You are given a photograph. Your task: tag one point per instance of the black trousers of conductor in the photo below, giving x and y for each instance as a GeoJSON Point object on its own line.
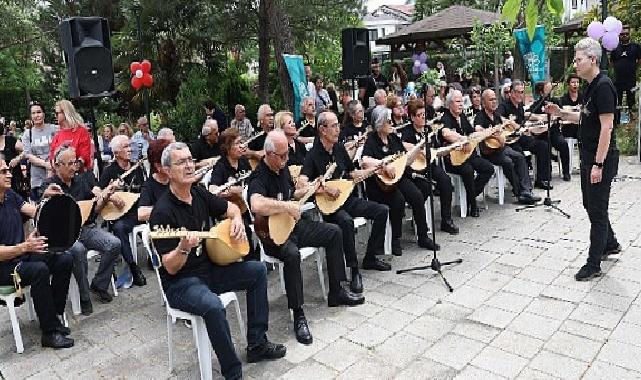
{"type": "Point", "coordinates": [406, 191]}
{"type": "Point", "coordinates": [310, 233]}
{"type": "Point", "coordinates": [473, 185]}
{"type": "Point", "coordinates": [559, 143]}
{"type": "Point", "coordinates": [514, 168]}
{"type": "Point", "coordinates": [540, 149]}
{"type": "Point", "coordinates": [344, 218]}
{"type": "Point", "coordinates": [596, 199]}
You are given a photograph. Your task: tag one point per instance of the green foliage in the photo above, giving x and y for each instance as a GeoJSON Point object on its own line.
{"type": "Point", "coordinates": [530, 12]}
{"type": "Point", "coordinates": [430, 76]}
{"type": "Point", "coordinates": [187, 117]}
{"type": "Point", "coordinates": [511, 10]}
{"type": "Point", "coordinates": [627, 138]}
{"type": "Point", "coordinates": [531, 17]}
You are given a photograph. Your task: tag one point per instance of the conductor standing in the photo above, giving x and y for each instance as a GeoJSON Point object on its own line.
{"type": "Point", "coordinates": [599, 153]}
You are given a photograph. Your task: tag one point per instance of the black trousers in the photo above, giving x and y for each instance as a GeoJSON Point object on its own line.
{"type": "Point", "coordinates": [596, 199]}
{"type": "Point", "coordinates": [473, 185]}
{"type": "Point", "coordinates": [48, 275]}
{"type": "Point", "coordinates": [444, 186]}
{"type": "Point", "coordinates": [344, 218]}
{"type": "Point", "coordinates": [514, 167]}
{"type": "Point", "coordinates": [540, 149]}
{"type": "Point", "coordinates": [559, 143]}
{"type": "Point", "coordinates": [254, 254]}
{"type": "Point", "coordinates": [310, 233]}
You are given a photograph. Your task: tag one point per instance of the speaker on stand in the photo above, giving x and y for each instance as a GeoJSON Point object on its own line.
{"type": "Point", "coordinates": [86, 42]}
{"type": "Point", "coordinates": [356, 54]}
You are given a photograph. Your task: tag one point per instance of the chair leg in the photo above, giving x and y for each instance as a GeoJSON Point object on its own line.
{"type": "Point", "coordinates": [133, 243]}
{"type": "Point", "coordinates": [113, 286]}
{"type": "Point", "coordinates": [388, 237]}
{"type": "Point", "coordinates": [74, 296]}
{"type": "Point", "coordinates": [241, 323]}
{"type": "Point", "coordinates": [30, 310]}
{"type": "Point", "coordinates": [321, 277]}
{"type": "Point", "coordinates": [204, 348]}
{"type": "Point", "coordinates": [15, 325]}
{"type": "Point", "coordinates": [281, 275]}
{"type": "Point", "coordinates": [462, 197]}
{"type": "Point", "coordinates": [170, 342]}
{"type": "Point", "coordinates": [501, 184]}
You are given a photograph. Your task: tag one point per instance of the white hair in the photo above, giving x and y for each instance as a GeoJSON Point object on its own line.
{"type": "Point", "coordinates": [590, 47]}
{"type": "Point", "coordinates": [165, 158]}
{"type": "Point", "coordinates": [165, 133]}
{"type": "Point", "coordinates": [380, 94]}
{"type": "Point", "coordinates": [450, 97]}
{"type": "Point", "coordinates": [270, 145]}
{"type": "Point", "coordinates": [208, 126]}
{"type": "Point", "coordinates": [262, 110]}
{"type": "Point", "coordinates": [119, 142]}
{"type": "Point", "coordinates": [305, 100]}
{"type": "Point", "coordinates": [380, 114]}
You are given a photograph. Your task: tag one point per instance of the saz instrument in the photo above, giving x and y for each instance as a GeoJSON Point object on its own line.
{"type": "Point", "coordinates": [420, 162]}
{"type": "Point", "coordinates": [234, 198]}
{"type": "Point", "coordinates": [294, 171]}
{"type": "Point", "coordinates": [221, 248]}
{"type": "Point", "coordinates": [530, 127]}
{"type": "Point", "coordinates": [352, 146]}
{"type": "Point", "coordinates": [388, 184]}
{"type": "Point", "coordinates": [275, 229]}
{"type": "Point", "coordinates": [466, 146]}
{"type": "Point", "coordinates": [205, 166]}
{"type": "Point", "coordinates": [253, 162]}
{"type": "Point", "coordinates": [493, 142]}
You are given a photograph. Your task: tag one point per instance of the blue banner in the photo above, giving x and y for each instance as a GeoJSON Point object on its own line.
{"type": "Point", "coordinates": [296, 71]}
{"type": "Point", "coordinates": [533, 52]}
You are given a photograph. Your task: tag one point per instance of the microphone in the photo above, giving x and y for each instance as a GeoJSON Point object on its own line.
{"type": "Point", "coordinates": [416, 175]}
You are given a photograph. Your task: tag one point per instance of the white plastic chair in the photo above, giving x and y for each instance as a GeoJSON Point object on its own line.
{"type": "Point", "coordinates": [201, 338]}
{"type": "Point", "coordinates": [9, 299]}
{"type": "Point", "coordinates": [133, 238]}
{"type": "Point", "coordinates": [74, 291]}
{"type": "Point", "coordinates": [571, 145]}
{"type": "Point", "coordinates": [499, 179]}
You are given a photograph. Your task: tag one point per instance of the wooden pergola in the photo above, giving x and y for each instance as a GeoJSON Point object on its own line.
{"type": "Point", "coordinates": [570, 29]}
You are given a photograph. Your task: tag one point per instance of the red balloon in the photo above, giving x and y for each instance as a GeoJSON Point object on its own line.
{"type": "Point", "coordinates": [134, 66]}
{"type": "Point", "coordinates": [146, 66]}
{"type": "Point", "coordinates": [136, 82]}
{"type": "Point", "coordinates": [147, 80]}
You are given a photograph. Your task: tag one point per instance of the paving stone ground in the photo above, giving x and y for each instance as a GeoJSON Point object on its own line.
{"type": "Point", "coordinates": [516, 311]}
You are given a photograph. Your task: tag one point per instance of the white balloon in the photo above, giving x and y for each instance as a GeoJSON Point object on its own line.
{"type": "Point", "coordinates": [138, 73]}
{"type": "Point", "coordinates": [610, 24]}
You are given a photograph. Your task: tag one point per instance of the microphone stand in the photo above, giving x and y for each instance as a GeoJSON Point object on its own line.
{"type": "Point", "coordinates": [435, 265]}
{"type": "Point", "coordinates": [547, 201]}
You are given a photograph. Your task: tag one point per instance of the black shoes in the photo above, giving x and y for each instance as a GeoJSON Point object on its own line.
{"type": "Point", "coordinates": [426, 242]}
{"type": "Point", "coordinates": [587, 273]}
{"type": "Point", "coordinates": [303, 335]}
{"type": "Point", "coordinates": [567, 177]}
{"type": "Point", "coordinates": [86, 308]}
{"type": "Point", "coordinates": [138, 278]}
{"type": "Point", "coordinates": [449, 227]}
{"type": "Point", "coordinates": [63, 330]}
{"type": "Point", "coordinates": [103, 295]}
{"type": "Point", "coordinates": [613, 250]}
{"type": "Point", "coordinates": [265, 351]}
{"type": "Point", "coordinates": [475, 212]}
{"type": "Point", "coordinates": [356, 285]}
{"type": "Point", "coordinates": [527, 199]}
{"type": "Point", "coordinates": [376, 264]}
{"type": "Point", "coordinates": [543, 185]}
{"type": "Point", "coordinates": [344, 297]}
{"type": "Point", "coordinates": [56, 340]}
{"type": "Point", "coordinates": [397, 250]}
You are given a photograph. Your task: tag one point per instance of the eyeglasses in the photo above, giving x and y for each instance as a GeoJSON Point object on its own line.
{"type": "Point", "coordinates": [69, 163]}
{"type": "Point", "coordinates": [518, 91]}
{"type": "Point", "coordinates": [420, 114]}
{"type": "Point", "coordinates": [185, 162]}
{"type": "Point", "coordinates": [333, 125]}
{"type": "Point", "coordinates": [282, 156]}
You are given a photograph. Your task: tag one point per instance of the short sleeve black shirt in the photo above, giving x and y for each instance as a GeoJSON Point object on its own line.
{"type": "Point", "coordinates": [483, 119]}
{"type": "Point", "coordinates": [566, 100]}
{"type": "Point", "coordinates": [624, 58]}
{"type": "Point", "coordinates": [600, 98]}
{"type": "Point", "coordinates": [349, 131]}
{"type": "Point", "coordinates": [462, 125]}
{"type": "Point", "coordinates": [171, 212]}
{"type": "Point", "coordinates": [258, 143]}
{"type": "Point", "coordinates": [151, 191]}
{"type": "Point", "coordinates": [318, 159]}
{"type": "Point", "coordinates": [309, 130]}
{"type": "Point", "coordinates": [79, 190]}
{"type": "Point", "coordinates": [507, 109]}
{"type": "Point", "coordinates": [223, 170]}
{"type": "Point", "coordinates": [297, 155]}
{"type": "Point", "coordinates": [201, 150]}
{"type": "Point", "coordinates": [265, 182]}
{"type": "Point", "coordinates": [370, 86]}
{"type": "Point", "coordinates": [11, 228]}
{"type": "Point", "coordinates": [132, 183]}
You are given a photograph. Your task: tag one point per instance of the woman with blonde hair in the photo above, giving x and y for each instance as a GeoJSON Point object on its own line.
{"type": "Point", "coordinates": [72, 133]}
{"type": "Point", "coordinates": [285, 120]}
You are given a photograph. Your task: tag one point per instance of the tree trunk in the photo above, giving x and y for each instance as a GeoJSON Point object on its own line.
{"type": "Point", "coordinates": [263, 52]}
{"type": "Point", "coordinates": [281, 36]}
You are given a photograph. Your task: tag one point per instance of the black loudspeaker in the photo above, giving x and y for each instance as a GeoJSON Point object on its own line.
{"type": "Point", "coordinates": [355, 42]}
{"type": "Point", "coordinates": [87, 46]}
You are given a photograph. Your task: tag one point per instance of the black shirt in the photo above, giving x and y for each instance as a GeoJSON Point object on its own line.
{"type": "Point", "coordinates": [375, 148]}
{"type": "Point", "coordinates": [350, 132]}
{"type": "Point", "coordinates": [297, 154]}
{"type": "Point", "coordinates": [201, 150]}
{"type": "Point", "coordinates": [566, 100]}
{"type": "Point", "coordinates": [265, 182]}
{"type": "Point", "coordinates": [150, 192]}
{"type": "Point", "coordinates": [462, 126]}
{"type": "Point", "coordinates": [132, 183]}
{"type": "Point", "coordinates": [624, 58]}
{"type": "Point", "coordinates": [370, 86]}
{"type": "Point", "coordinates": [79, 190]}
{"type": "Point", "coordinates": [600, 98]}
{"type": "Point", "coordinates": [483, 119]}
{"type": "Point", "coordinates": [309, 129]}
{"type": "Point", "coordinates": [318, 159]}
{"type": "Point", "coordinates": [223, 170]}
{"type": "Point", "coordinates": [430, 112]}
{"type": "Point", "coordinates": [507, 109]}
{"type": "Point", "coordinates": [258, 143]}
{"type": "Point", "coordinates": [174, 213]}
{"type": "Point", "coordinates": [11, 228]}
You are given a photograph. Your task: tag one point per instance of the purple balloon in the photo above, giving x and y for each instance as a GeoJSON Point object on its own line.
{"type": "Point", "coordinates": [422, 57]}
{"type": "Point", "coordinates": [423, 67]}
{"type": "Point", "coordinates": [610, 24]}
{"type": "Point", "coordinates": [619, 27]}
{"type": "Point", "coordinates": [610, 41]}
{"type": "Point", "coordinates": [414, 57]}
{"type": "Point", "coordinates": [417, 63]}
{"type": "Point", "coordinates": [416, 70]}
{"type": "Point", "coordinates": [596, 30]}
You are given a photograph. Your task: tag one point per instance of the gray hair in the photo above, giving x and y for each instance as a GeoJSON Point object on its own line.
{"type": "Point", "coordinates": [304, 100]}
{"type": "Point", "coordinates": [380, 114]}
{"type": "Point", "coordinates": [517, 82]}
{"type": "Point", "coordinates": [262, 110]}
{"type": "Point", "coordinates": [165, 159]}
{"type": "Point", "coordinates": [165, 132]}
{"type": "Point", "coordinates": [380, 93]}
{"type": "Point", "coordinates": [323, 117]}
{"type": "Point", "coordinates": [352, 105]}
{"type": "Point", "coordinates": [61, 149]}
{"type": "Point", "coordinates": [590, 47]}
{"type": "Point", "coordinates": [270, 145]}
{"type": "Point", "coordinates": [208, 126]}
{"type": "Point", "coordinates": [119, 142]}
{"type": "Point", "coordinates": [450, 97]}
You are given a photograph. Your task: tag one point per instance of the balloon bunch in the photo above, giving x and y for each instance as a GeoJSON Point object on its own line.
{"type": "Point", "coordinates": [141, 72]}
{"type": "Point", "coordinates": [420, 63]}
{"type": "Point", "coordinates": [609, 30]}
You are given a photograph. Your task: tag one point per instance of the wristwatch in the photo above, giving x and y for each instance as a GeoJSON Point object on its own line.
{"type": "Point", "coordinates": [598, 164]}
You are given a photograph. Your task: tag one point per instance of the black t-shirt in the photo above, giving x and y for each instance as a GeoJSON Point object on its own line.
{"type": "Point", "coordinates": [201, 150]}
{"type": "Point", "coordinates": [79, 190]}
{"type": "Point", "coordinates": [151, 191]}
{"type": "Point", "coordinates": [600, 98]}
{"type": "Point", "coordinates": [350, 132]}
{"type": "Point", "coordinates": [11, 228]}
{"type": "Point", "coordinates": [258, 143]}
{"type": "Point", "coordinates": [462, 125]}
{"type": "Point", "coordinates": [624, 58]}
{"type": "Point", "coordinates": [507, 109]}
{"type": "Point", "coordinates": [131, 183]}
{"type": "Point", "coordinates": [375, 148]}
{"type": "Point", "coordinates": [483, 119]}
{"type": "Point", "coordinates": [171, 212]}
{"type": "Point", "coordinates": [9, 151]}
{"type": "Point", "coordinates": [566, 100]}
{"type": "Point", "coordinates": [297, 154]}
{"type": "Point", "coordinates": [430, 112]}
{"type": "Point", "coordinates": [370, 86]}
{"type": "Point", "coordinates": [318, 159]}
{"type": "Point", "coordinates": [309, 129]}
{"type": "Point", "coordinates": [265, 182]}
{"type": "Point", "coordinates": [223, 170]}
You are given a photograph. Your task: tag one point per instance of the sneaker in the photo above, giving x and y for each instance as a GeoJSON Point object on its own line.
{"type": "Point", "coordinates": [587, 273]}
{"type": "Point", "coordinates": [614, 250]}
{"type": "Point", "coordinates": [265, 351]}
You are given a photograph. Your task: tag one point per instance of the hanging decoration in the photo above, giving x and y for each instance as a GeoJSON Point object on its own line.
{"type": "Point", "coordinates": [420, 63]}
{"type": "Point", "coordinates": [141, 74]}
{"type": "Point", "coordinates": [608, 32]}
